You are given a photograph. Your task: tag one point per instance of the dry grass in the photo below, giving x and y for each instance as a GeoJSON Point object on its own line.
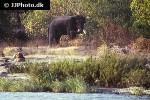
{"type": "Point", "coordinates": [37, 43]}
{"type": "Point", "coordinates": [113, 33]}
{"type": "Point", "coordinates": [141, 44]}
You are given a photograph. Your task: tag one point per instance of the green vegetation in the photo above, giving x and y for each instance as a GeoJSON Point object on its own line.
{"type": "Point", "coordinates": [141, 13]}
{"type": "Point", "coordinates": [111, 70]}
{"type": "Point", "coordinates": [70, 84]}
{"type": "Point", "coordinates": [13, 85]}
{"type": "Point", "coordinates": [132, 15]}
{"type": "Point", "coordinates": [107, 21]}
{"type": "Point", "coordinates": [9, 52]}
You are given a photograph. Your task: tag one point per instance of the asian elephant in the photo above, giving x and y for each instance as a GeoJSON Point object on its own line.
{"type": "Point", "coordinates": [66, 25]}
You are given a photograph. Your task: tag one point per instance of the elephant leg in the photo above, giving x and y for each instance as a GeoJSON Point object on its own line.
{"type": "Point", "coordinates": [51, 35]}
{"type": "Point", "coordinates": [57, 38]}
{"type": "Point", "coordinates": [51, 41]}
{"type": "Point", "coordinates": [72, 35]}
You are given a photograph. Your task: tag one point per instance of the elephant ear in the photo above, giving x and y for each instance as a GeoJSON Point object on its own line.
{"type": "Point", "coordinates": [80, 17]}
{"type": "Point", "coordinates": [74, 19]}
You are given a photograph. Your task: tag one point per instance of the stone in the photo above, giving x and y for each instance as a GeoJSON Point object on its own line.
{"type": "Point", "coordinates": [18, 57]}
{"type": "Point", "coordinates": [3, 74]}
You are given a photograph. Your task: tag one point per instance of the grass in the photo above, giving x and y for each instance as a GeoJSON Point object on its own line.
{"type": "Point", "coordinates": [70, 84]}
{"type": "Point", "coordinates": [71, 75]}
{"type": "Point", "coordinates": [76, 85]}
{"type": "Point", "coordinates": [10, 85]}
{"type": "Point", "coordinates": [9, 51]}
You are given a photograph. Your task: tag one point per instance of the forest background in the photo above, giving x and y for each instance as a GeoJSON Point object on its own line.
{"type": "Point", "coordinates": [121, 22]}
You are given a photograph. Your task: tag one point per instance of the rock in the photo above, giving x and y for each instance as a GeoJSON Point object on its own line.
{"type": "Point", "coordinates": [3, 74]}
{"type": "Point", "coordinates": [6, 64]}
{"type": "Point", "coordinates": [133, 91]}
{"type": "Point", "coordinates": [18, 57]}
{"type": "Point", "coordinates": [102, 90]}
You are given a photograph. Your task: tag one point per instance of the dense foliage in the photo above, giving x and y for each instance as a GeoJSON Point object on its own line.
{"type": "Point", "coordinates": [132, 14]}
{"type": "Point", "coordinates": [141, 12]}
{"type": "Point", "coordinates": [77, 76]}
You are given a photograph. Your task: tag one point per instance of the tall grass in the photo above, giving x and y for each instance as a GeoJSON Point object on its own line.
{"type": "Point", "coordinates": [70, 84]}
{"type": "Point", "coordinates": [75, 84]}
{"type": "Point", "coordinates": [75, 76]}
{"type": "Point", "coordinates": [17, 85]}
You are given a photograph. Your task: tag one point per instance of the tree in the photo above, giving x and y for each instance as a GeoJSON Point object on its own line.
{"type": "Point", "coordinates": [141, 12]}
{"type": "Point", "coordinates": [5, 25]}
{"type": "Point", "coordinates": [10, 22]}
{"type": "Point", "coordinates": [36, 23]}
{"type": "Point", "coordinates": [111, 11]}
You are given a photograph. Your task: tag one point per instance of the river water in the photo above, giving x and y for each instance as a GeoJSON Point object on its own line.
{"type": "Point", "coordinates": [67, 96]}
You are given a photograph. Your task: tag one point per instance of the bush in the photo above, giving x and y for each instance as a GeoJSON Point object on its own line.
{"type": "Point", "coordinates": [58, 72]}
{"type": "Point", "coordinates": [57, 86]}
{"type": "Point", "coordinates": [111, 70]}
{"type": "Point", "coordinates": [70, 84]}
{"type": "Point", "coordinates": [17, 69]}
{"type": "Point", "coordinates": [8, 51]}
{"type": "Point", "coordinates": [75, 85]}
{"type": "Point", "coordinates": [139, 77]}
{"type": "Point", "coordinates": [141, 29]}
{"type": "Point", "coordinates": [17, 85]}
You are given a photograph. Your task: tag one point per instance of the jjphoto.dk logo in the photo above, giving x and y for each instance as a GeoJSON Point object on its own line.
{"type": "Point", "coordinates": [6, 5]}
{"type": "Point", "coordinates": [25, 5]}
{"type": "Point", "coordinates": [15, 5]}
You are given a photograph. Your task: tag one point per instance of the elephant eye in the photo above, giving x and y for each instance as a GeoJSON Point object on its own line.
{"type": "Point", "coordinates": [79, 21]}
{"type": "Point", "coordinates": [82, 21]}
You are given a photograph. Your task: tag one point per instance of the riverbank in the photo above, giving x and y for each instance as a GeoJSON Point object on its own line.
{"type": "Point", "coordinates": [63, 70]}
{"type": "Point", "coordinates": [130, 90]}
{"type": "Point", "coordinates": [26, 85]}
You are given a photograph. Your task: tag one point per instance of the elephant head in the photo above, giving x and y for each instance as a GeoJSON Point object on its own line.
{"type": "Point", "coordinates": [80, 21]}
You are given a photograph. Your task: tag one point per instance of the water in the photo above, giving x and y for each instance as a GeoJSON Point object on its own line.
{"type": "Point", "coordinates": [66, 96]}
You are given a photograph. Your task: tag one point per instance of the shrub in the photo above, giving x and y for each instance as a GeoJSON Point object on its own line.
{"type": "Point", "coordinates": [17, 69]}
{"type": "Point", "coordinates": [111, 70]}
{"type": "Point", "coordinates": [70, 84]}
{"type": "Point", "coordinates": [75, 85]}
{"type": "Point", "coordinates": [18, 85]}
{"type": "Point", "coordinates": [139, 77]}
{"type": "Point", "coordinates": [8, 51]}
{"type": "Point", "coordinates": [57, 86]}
